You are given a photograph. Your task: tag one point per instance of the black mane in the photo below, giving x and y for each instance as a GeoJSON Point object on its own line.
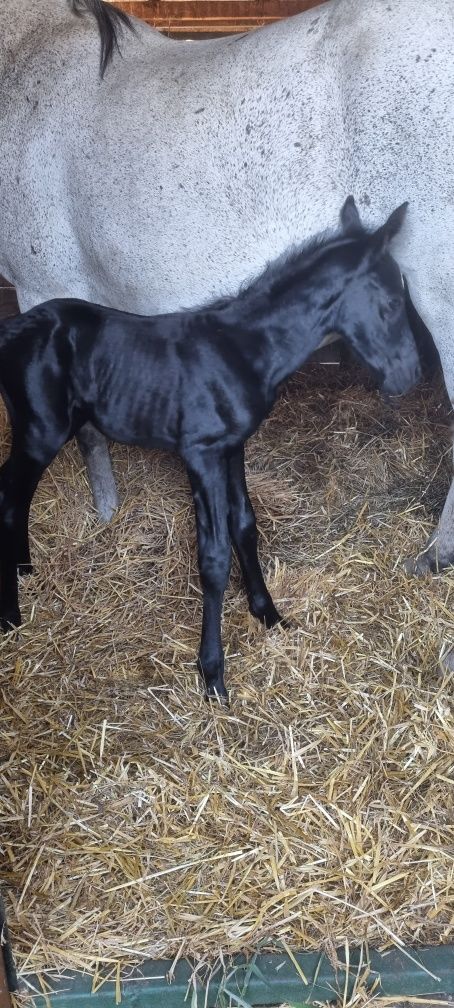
{"type": "Point", "coordinates": [111, 21]}
{"type": "Point", "coordinates": [280, 269]}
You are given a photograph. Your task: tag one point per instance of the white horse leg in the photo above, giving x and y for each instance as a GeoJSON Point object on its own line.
{"type": "Point", "coordinates": [93, 445]}
{"type": "Point", "coordinates": [435, 304]}
{"type": "Point", "coordinates": [439, 550]}
{"type": "Point", "coordinates": [95, 453]}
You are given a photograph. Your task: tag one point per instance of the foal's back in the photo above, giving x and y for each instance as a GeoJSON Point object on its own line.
{"type": "Point", "coordinates": [169, 381]}
{"type": "Point", "coordinates": [99, 364]}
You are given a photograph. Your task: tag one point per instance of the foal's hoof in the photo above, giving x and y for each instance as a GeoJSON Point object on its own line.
{"type": "Point", "coordinates": [10, 619]}
{"type": "Point", "coordinates": [286, 624]}
{"type": "Point", "coordinates": [270, 617]}
{"type": "Point", "coordinates": [213, 678]}
{"type": "Point", "coordinates": [24, 569]}
{"type": "Point", "coordinates": [214, 691]}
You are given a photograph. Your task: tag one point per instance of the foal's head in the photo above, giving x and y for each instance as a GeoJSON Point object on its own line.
{"type": "Point", "coordinates": [372, 314]}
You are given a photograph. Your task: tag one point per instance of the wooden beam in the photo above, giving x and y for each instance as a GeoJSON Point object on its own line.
{"type": "Point", "coordinates": [212, 16]}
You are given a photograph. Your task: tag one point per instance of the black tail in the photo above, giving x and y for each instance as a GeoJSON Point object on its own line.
{"type": "Point", "coordinates": [110, 20]}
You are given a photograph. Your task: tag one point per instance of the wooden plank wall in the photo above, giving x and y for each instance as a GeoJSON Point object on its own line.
{"type": "Point", "coordinates": [8, 302]}
{"type": "Point", "coordinates": [191, 17]}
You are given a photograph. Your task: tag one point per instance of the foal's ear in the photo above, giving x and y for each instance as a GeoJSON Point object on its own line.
{"type": "Point", "coordinates": [385, 234]}
{"type": "Point", "coordinates": [349, 217]}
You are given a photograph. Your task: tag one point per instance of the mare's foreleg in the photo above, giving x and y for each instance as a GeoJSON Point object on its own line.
{"type": "Point", "coordinates": [243, 531]}
{"type": "Point", "coordinates": [208, 478]}
{"type": "Point", "coordinates": [438, 553]}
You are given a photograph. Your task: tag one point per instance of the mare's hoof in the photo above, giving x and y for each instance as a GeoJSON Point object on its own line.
{"type": "Point", "coordinates": [10, 619]}
{"type": "Point", "coordinates": [24, 569]}
{"type": "Point", "coordinates": [416, 566]}
{"type": "Point", "coordinates": [429, 562]}
{"type": "Point", "coordinates": [107, 505]}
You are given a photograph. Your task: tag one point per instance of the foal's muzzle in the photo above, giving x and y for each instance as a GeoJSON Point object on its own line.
{"type": "Point", "coordinates": [400, 379]}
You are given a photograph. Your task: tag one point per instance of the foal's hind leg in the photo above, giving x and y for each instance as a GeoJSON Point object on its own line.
{"type": "Point", "coordinates": [22, 543]}
{"type": "Point", "coordinates": [9, 602]}
{"type": "Point", "coordinates": [208, 478]}
{"type": "Point", "coordinates": [243, 531]}
{"type": "Point", "coordinates": [19, 478]}
{"type": "Point", "coordinates": [92, 444]}
{"type": "Point", "coordinates": [95, 453]}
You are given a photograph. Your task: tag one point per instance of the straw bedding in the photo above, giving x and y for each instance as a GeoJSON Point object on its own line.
{"type": "Point", "coordinates": [137, 820]}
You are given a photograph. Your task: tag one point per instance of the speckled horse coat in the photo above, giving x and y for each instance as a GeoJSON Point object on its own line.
{"type": "Point", "coordinates": [189, 165]}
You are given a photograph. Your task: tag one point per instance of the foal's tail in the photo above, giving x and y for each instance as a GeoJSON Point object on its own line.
{"type": "Point", "coordinates": [111, 21]}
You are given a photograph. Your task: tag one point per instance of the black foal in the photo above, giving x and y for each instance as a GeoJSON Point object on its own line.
{"type": "Point", "coordinates": [198, 383]}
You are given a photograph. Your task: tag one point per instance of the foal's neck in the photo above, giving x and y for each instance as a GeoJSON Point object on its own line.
{"type": "Point", "coordinates": [282, 324]}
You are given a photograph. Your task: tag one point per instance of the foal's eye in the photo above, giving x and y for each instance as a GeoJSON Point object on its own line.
{"type": "Point", "coordinates": [393, 306]}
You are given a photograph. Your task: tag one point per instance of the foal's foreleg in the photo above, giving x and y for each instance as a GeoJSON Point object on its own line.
{"type": "Point", "coordinates": [208, 478]}
{"type": "Point", "coordinates": [243, 530]}
{"type": "Point", "coordinates": [95, 454]}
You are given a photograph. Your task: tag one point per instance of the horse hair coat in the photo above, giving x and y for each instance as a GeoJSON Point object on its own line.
{"type": "Point", "coordinates": [189, 166]}
{"type": "Point", "coordinates": [198, 383]}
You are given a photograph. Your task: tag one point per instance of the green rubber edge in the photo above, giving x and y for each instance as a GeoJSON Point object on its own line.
{"type": "Point", "coordinates": [8, 960]}
{"type": "Point", "coordinates": [262, 980]}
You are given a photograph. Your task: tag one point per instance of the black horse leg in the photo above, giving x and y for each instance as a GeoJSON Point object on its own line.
{"type": "Point", "coordinates": [23, 548]}
{"type": "Point", "coordinates": [19, 478]}
{"type": "Point", "coordinates": [243, 531]}
{"type": "Point", "coordinates": [208, 478]}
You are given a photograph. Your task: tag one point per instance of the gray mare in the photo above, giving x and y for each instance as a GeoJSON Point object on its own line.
{"type": "Point", "coordinates": [190, 165]}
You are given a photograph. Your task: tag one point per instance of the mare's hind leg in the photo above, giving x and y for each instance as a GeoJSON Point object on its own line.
{"type": "Point", "coordinates": [95, 454]}
{"type": "Point", "coordinates": [243, 531]}
{"type": "Point", "coordinates": [19, 478]}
